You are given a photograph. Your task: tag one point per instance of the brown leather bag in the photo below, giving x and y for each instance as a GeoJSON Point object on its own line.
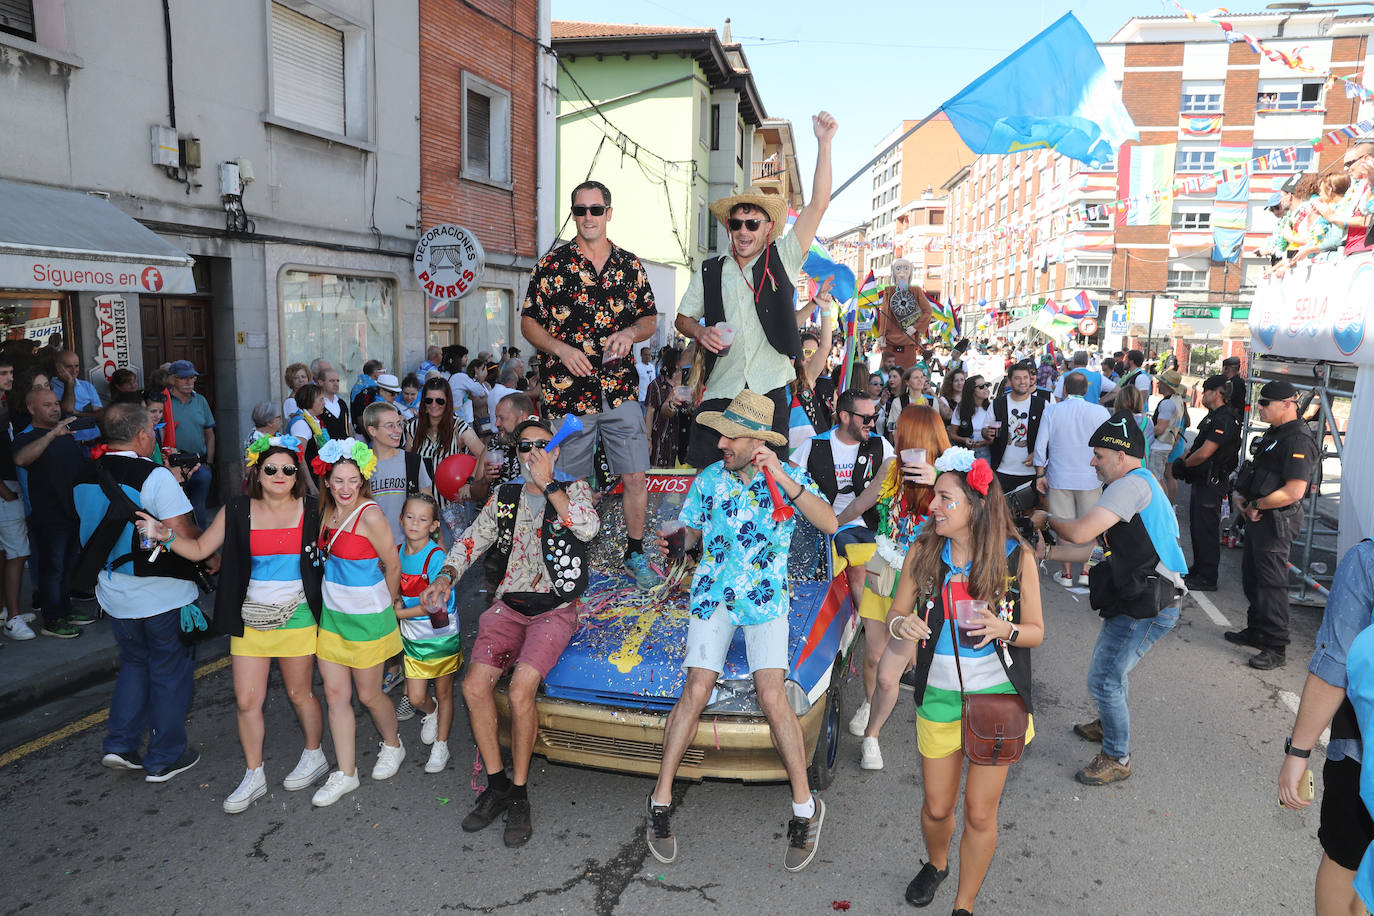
{"type": "Point", "coordinates": [993, 725]}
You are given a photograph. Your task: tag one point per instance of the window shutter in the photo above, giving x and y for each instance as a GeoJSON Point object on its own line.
{"type": "Point", "coordinates": [16, 17]}
{"type": "Point", "coordinates": [477, 143]}
{"type": "Point", "coordinates": [307, 70]}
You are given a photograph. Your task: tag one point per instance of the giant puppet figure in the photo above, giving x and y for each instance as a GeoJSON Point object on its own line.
{"type": "Point", "coordinates": [905, 320]}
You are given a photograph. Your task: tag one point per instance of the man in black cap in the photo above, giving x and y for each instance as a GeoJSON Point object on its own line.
{"type": "Point", "coordinates": [1137, 588]}
{"type": "Point", "coordinates": [1269, 492]}
{"type": "Point", "coordinates": [1207, 467]}
{"type": "Point", "coordinates": [1230, 370]}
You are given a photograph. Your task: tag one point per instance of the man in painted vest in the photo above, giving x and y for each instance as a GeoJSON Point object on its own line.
{"type": "Point", "coordinates": [1137, 589]}
{"type": "Point", "coordinates": [751, 291]}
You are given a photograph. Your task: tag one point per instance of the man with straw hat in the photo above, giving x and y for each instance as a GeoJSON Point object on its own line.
{"type": "Point", "coordinates": [749, 332]}
{"type": "Point", "coordinates": [741, 581]}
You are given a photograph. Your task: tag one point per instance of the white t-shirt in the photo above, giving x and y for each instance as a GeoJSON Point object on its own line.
{"type": "Point", "coordinates": [647, 373]}
{"type": "Point", "coordinates": [1018, 432]}
{"type": "Point", "coordinates": [498, 392]}
{"type": "Point", "coordinates": [1168, 410]}
{"type": "Point", "coordinates": [981, 416]}
{"type": "Point", "coordinates": [844, 457]}
{"type": "Point", "coordinates": [465, 389]}
{"type": "Point", "coordinates": [130, 597]}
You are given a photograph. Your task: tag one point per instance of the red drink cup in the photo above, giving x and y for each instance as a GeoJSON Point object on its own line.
{"type": "Point", "coordinates": [675, 533]}
{"type": "Point", "coordinates": [438, 615]}
{"type": "Point", "coordinates": [967, 618]}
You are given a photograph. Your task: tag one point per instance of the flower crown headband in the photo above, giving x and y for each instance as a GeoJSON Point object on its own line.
{"type": "Point", "coordinates": [350, 449]}
{"type": "Point", "coordinates": [976, 471]}
{"type": "Point", "coordinates": [261, 444]}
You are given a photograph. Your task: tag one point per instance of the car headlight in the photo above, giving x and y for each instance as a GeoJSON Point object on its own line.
{"type": "Point", "coordinates": [734, 698]}
{"type": "Point", "coordinates": [796, 697]}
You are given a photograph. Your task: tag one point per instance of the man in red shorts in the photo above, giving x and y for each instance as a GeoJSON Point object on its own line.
{"type": "Point", "coordinates": [533, 617]}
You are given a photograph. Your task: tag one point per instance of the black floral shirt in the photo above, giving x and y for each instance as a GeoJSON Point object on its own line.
{"type": "Point", "coordinates": [581, 308]}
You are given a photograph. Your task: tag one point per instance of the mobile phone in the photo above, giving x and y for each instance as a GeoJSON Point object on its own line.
{"type": "Point", "coordinates": [81, 423]}
{"type": "Point", "coordinates": [1307, 789]}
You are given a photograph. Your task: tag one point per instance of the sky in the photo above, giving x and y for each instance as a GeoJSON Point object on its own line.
{"type": "Point", "coordinates": [892, 60]}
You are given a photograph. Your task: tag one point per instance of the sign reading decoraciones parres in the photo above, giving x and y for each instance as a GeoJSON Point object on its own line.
{"type": "Point", "coordinates": [449, 261]}
{"type": "Point", "coordinates": [1316, 311]}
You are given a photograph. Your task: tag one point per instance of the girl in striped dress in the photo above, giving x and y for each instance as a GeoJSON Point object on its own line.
{"type": "Point", "coordinates": [431, 652]}
{"type": "Point", "coordinates": [358, 633]}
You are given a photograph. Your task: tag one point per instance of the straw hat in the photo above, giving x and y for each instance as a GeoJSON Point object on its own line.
{"type": "Point", "coordinates": [749, 416]}
{"type": "Point", "coordinates": [772, 204]}
{"type": "Point", "coordinates": [1171, 378]}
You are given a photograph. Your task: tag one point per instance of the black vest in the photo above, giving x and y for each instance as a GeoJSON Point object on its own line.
{"type": "Point", "coordinates": [1223, 461]}
{"type": "Point", "coordinates": [1130, 571]}
{"type": "Point", "coordinates": [236, 567]}
{"type": "Point", "coordinates": [337, 427]}
{"type": "Point", "coordinates": [774, 302]}
{"type": "Point", "coordinates": [565, 555]}
{"type": "Point", "coordinates": [1001, 409]}
{"type": "Point", "coordinates": [820, 464]}
{"type": "Point", "coordinates": [1275, 447]}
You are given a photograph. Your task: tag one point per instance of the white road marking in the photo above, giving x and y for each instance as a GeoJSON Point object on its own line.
{"type": "Point", "coordinates": [1209, 609]}
{"type": "Point", "coordinates": [1290, 699]}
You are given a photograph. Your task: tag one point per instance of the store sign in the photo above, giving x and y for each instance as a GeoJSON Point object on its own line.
{"type": "Point", "coordinates": [112, 332]}
{"type": "Point", "coordinates": [40, 329]}
{"type": "Point", "coordinates": [1117, 321]}
{"type": "Point", "coordinates": [1316, 311]}
{"type": "Point", "coordinates": [449, 261]}
{"type": "Point", "coordinates": [20, 271]}
{"type": "Point", "coordinates": [1197, 311]}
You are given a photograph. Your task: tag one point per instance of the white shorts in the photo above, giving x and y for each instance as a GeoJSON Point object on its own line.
{"type": "Point", "coordinates": [708, 642]}
{"type": "Point", "coordinates": [14, 530]}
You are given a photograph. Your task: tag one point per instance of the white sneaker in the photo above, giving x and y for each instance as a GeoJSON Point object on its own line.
{"type": "Point", "coordinates": [438, 757]}
{"type": "Point", "coordinates": [860, 721]}
{"type": "Point", "coordinates": [429, 727]}
{"type": "Point", "coordinates": [253, 787]}
{"type": "Point", "coordinates": [18, 628]}
{"type": "Point", "coordinates": [1066, 581]}
{"type": "Point", "coordinates": [28, 617]}
{"type": "Point", "coordinates": [389, 760]}
{"type": "Point", "coordinates": [335, 787]}
{"type": "Point", "coordinates": [1083, 579]}
{"type": "Point", "coordinates": [311, 767]}
{"type": "Point", "coordinates": [872, 758]}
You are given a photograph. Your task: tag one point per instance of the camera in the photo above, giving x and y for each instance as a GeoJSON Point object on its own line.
{"type": "Point", "coordinates": [183, 460]}
{"type": "Point", "coordinates": [1022, 501]}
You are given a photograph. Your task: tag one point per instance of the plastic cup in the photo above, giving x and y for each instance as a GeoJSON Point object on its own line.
{"type": "Point", "coordinates": [496, 457]}
{"type": "Point", "coordinates": [967, 618]}
{"type": "Point", "coordinates": [675, 533]}
{"type": "Point", "coordinates": [682, 393]}
{"type": "Point", "coordinates": [438, 615]}
{"type": "Point", "coordinates": [727, 336]}
{"type": "Point", "coordinates": [913, 456]}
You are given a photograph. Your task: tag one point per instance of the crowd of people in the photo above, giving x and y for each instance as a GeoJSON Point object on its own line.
{"type": "Point", "coordinates": [1321, 217]}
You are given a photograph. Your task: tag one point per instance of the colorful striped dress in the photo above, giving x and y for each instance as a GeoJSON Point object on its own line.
{"type": "Point", "coordinates": [357, 625]}
{"type": "Point", "coordinates": [429, 653]}
{"type": "Point", "coordinates": [275, 577]}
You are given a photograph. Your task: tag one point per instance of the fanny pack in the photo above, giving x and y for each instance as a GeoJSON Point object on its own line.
{"type": "Point", "coordinates": [532, 604]}
{"type": "Point", "coordinates": [261, 615]}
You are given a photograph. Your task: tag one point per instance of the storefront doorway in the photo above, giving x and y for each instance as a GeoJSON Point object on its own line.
{"type": "Point", "coordinates": [179, 327]}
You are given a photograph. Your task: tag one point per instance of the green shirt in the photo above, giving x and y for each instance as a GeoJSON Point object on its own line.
{"type": "Point", "coordinates": [193, 418]}
{"type": "Point", "coordinates": [752, 361]}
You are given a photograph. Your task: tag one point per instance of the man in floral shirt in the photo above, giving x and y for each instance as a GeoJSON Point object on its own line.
{"type": "Point", "coordinates": [742, 582]}
{"type": "Point", "coordinates": [588, 304]}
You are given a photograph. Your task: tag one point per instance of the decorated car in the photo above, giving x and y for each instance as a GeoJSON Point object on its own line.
{"type": "Point", "coordinates": [605, 702]}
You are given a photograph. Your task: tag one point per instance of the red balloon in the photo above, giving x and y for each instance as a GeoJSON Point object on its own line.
{"type": "Point", "coordinates": [452, 473]}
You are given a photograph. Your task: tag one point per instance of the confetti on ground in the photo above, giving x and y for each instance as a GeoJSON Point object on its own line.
{"type": "Point", "coordinates": [442, 801]}
{"type": "Point", "coordinates": [840, 905]}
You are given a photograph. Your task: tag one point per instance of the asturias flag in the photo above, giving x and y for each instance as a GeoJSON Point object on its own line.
{"type": "Point", "coordinates": [1054, 92]}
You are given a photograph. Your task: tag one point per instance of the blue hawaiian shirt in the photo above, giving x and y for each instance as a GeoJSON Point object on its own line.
{"type": "Point", "coordinates": [744, 552]}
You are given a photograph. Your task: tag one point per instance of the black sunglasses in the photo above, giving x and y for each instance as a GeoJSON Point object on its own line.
{"type": "Point", "coordinates": [1265, 402]}
{"type": "Point", "coordinates": [529, 445]}
{"type": "Point", "coordinates": [584, 209]}
{"type": "Point", "coordinates": [863, 418]}
{"type": "Point", "coordinates": [287, 470]}
{"type": "Point", "coordinates": [435, 401]}
{"type": "Point", "coordinates": [983, 385]}
{"type": "Point", "coordinates": [751, 224]}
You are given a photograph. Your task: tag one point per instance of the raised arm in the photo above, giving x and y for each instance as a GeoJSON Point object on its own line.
{"type": "Point", "coordinates": [809, 220]}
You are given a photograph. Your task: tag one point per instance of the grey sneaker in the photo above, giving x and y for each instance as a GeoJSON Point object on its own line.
{"type": "Point", "coordinates": [804, 838]}
{"type": "Point", "coordinates": [638, 566]}
{"type": "Point", "coordinates": [659, 833]}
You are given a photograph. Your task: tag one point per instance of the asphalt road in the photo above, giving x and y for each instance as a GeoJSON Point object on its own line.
{"type": "Point", "coordinates": [1196, 829]}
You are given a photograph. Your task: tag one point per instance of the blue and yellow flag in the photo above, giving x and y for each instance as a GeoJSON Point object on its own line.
{"type": "Point", "coordinates": [1053, 92]}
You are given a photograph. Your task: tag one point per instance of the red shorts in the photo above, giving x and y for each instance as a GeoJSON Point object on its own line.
{"type": "Point", "coordinates": [506, 637]}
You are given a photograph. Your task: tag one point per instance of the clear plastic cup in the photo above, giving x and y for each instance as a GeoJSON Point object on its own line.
{"type": "Point", "coordinates": [913, 456]}
{"type": "Point", "coordinates": [967, 618]}
{"type": "Point", "coordinates": [727, 336]}
{"type": "Point", "coordinates": [496, 458]}
{"type": "Point", "coordinates": [682, 393]}
{"type": "Point", "coordinates": [675, 533]}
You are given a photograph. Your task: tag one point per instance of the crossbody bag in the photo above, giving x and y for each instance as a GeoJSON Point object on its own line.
{"type": "Point", "coordinates": [992, 726]}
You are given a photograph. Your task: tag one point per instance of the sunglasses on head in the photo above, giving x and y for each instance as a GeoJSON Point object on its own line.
{"type": "Point", "coordinates": [436, 400]}
{"type": "Point", "coordinates": [751, 224]}
{"type": "Point", "coordinates": [287, 470]}
{"type": "Point", "coordinates": [584, 209]}
{"type": "Point", "coordinates": [529, 445]}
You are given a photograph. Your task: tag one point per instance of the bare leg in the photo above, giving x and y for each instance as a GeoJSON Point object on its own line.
{"type": "Point", "coordinates": [940, 776]}
{"type": "Point", "coordinates": [296, 674]}
{"type": "Point", "coordinates": [982, 795]}
{"type": "Point", "coordinates": [635, 503]}
{"type": "Point", "coordinates": [897, 656]}
{"type": "Point", "coordinates": [478, 689]}
{"type": "Point", "coordinates": [784, 729]}
{"type": "Point", "coordinates": [417, 691]}
{"type": "Point", "coordinates": [443, 698]}
{"type": "Point", "coordinates": [250, 689]}
{"type": "Point", "coordinates": [524, 720]}
{"type": "Point", "coordinates": [681, 727]}
{"type": "Point", "coordinates": [1335, 895]}
{"type": "Point", "coordinates": [338, 696]}
{"type": "Point", "coordinates": [876, 636]}
{"type": "Point", "coordinates": [368, 682]}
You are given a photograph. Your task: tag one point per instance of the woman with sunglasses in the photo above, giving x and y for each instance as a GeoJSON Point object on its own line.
{"type": "Point", "coordinates": [951, 390]}
{"type": "Point", "coordinates": [268, 538]}
{"type": "Point", "coordinates": [968, 424]}
{"type": "Point", "coordinates": [437, 433]}
{"type": "Point", "coordinates": [967, 551]}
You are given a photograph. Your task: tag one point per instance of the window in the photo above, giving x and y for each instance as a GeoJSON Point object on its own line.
{"type": "Point", "coordinates": [486, 132]}
{"type": "Point", "coordinates": [16, 18]}
{"type": "Point", "coordinates": [1187, 278]}
{"type": "Point", "coordinates": [307, 70]}
{"type": "Point", "coordinates": [1289, 95]}
{"type": "Point", "coordinates": [1092, 276]}
{"type": "Point", "coordinates": [346, 319]}
{"type": "Point", "coordinates": [1278, 163]}
{"type": "Point", "coordinates": [1195, 159]}
{"type": "Point", "coordinates": [937, 217]}
{"type": "Point", "coordinates": [1192, 220]}
{"type": "Point", "coordinates": [703, 223]}
{"type": "Point", "coordinates": [739, 144]}
{"type": "Point", "coordinates": [715, 127]}
{"type": "Point", "coordinates": [712, 234]}
{"type": "Point", "coordinates": [1201, 97]}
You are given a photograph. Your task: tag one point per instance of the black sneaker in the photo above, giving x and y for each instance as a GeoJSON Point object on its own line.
{"type": "Point", "coordinates": [921, 890]}
{"type": "Point", "coordinates": [659, 833]}
{"type": "Point", "coordinates": [1269, 659]}
{"type": "Point", "coordinates": [1089, 731]}
{"type": "Point", "coordinates": [1197, 585]}
{"type": "Point", "coordinates": [130, 760]}
{"type": "Point", "coordinates": [189, 758]}
{"type": "Point", "coordinates": [519, 828]}
{"type": "Point", "coordinates": [491, 804]}
{"type": "Point", "coordinates": [908, 679]}
{"type": "Point", "coordinates": [1242, 638]}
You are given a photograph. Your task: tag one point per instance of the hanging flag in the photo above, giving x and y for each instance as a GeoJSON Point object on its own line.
{"type": "Point", "coordinates": [850, 339]}
{"type": "Point", "coordinates": [870, 294]}
{"type": "Point", "coordinates": [1079, 306]}
{"type": "Point", "coordinates": [819, 264]}
{"type": "Point", "coordinates": [1054, 91]}
{"type": "Point", "coordinates": [1198, 127]}
{"type": "Point", "coordinates": [1231, 211]}
{"type": "Point", "coordinates": [1145, 180]}
{"type": "Point", "coordinates": [799, 426]}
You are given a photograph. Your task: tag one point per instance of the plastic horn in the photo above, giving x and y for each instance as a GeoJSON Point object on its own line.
{"type": "Point", "coordinates": [781, 510]}
{"type": "Point", "coordinates": [571, 425]}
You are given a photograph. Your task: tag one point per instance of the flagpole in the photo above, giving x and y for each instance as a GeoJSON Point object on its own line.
{"type": "Point", "coordinates": [887, 149]}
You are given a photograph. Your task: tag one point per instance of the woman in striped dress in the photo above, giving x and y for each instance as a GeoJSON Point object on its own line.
{"type": "Point", "coordinates": [437, 433]}
{"type": "Point", "coordinates": [358, 633]}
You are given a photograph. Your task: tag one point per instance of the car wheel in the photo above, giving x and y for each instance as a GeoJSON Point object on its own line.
{"type": "Point", "coordinates": [821, 773]}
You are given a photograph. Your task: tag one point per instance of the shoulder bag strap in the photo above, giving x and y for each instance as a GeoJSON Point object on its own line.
{"type": "Point", "coordinates": [344, 524]}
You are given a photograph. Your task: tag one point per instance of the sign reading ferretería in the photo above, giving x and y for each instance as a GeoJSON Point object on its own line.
{"type": "Point", "coordinates": [449, 261]}
{"type": "Point", "coordinates": [1316, 311]}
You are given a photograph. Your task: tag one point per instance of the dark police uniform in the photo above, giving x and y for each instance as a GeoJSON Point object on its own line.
{"type": "Point", "coordinates": [1286, 452]}
{"type": "Point", "coordinates": [1238, 394]}
{"type": "Point", "coordinates": [1209, 486]}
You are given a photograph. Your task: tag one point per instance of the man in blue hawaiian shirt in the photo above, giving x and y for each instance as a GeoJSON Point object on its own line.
{"type": "Point", "coordinates": [742, 582]}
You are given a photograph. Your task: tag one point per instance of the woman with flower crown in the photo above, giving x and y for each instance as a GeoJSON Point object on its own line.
{"type": "Point", "coordinates": [268, 538]}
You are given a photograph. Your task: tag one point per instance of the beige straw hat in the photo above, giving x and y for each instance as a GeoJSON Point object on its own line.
{"type": "Point", "coordinates": [749, 416]}
{"type": "Point", "coordinates": [772, 204]}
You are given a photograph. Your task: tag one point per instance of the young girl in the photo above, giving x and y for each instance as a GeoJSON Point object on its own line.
{"type": "Point", "coordinates": [431, 652]}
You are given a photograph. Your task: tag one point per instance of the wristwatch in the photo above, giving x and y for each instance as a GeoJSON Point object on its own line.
{"type": "Point", "coordinates": [1012, 637]}
{"type": "Point", "coordinates": [1292, 751]}
{"type": "Point", "coordinates": [552, 488]}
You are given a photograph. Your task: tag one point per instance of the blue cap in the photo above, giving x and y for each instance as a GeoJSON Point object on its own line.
{"type": "Point", "coordinates": [182, 368]}
{"type": "Point", "coordinates": [1274, 201]}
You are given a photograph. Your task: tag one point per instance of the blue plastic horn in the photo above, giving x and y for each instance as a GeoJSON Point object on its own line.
{"type": "Point", "coordinates": [571, 426]}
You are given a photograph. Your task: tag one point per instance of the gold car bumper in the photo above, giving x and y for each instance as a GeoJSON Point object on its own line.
{"type": "Point", "coordinates": [624, 741]}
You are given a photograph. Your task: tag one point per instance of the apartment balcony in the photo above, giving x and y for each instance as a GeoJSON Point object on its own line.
{"type": "Point", "coordinates": [771, 176]}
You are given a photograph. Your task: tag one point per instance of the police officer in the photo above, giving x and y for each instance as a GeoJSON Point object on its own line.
{"type": "Point", "coordinates": [1230, 369]}
{"type": "Point", "coordinates": [1269, 492]}
{"type": "Point", "coordinates": [1208, 466]}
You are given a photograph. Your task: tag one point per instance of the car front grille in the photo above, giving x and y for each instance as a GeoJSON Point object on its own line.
{"type": "Point", "coordinates": [613, 747]}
